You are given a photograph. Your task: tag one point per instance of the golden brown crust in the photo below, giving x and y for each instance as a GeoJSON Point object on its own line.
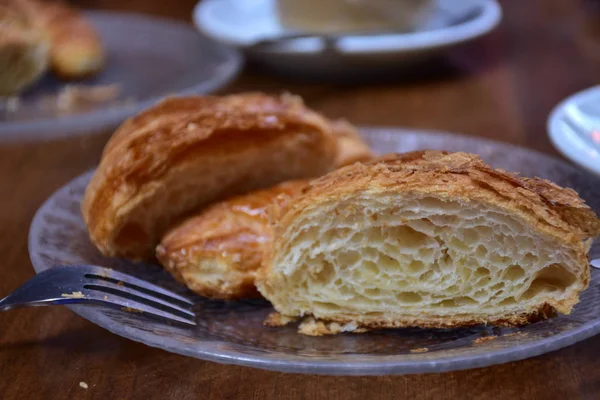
{"type": "Point", "coordinates": [551, 208]}
{"type": "Point", "coordinates": [76, 50]}
{"type": "Point", "coordinates": [318, 327]}
{"type": "Point", "coordinates": [552, 211]}
{"type": "Point", "coordinates": [176, 110]}
{"type": "Point", "coordinates": [185, 153]}
{"type": "Point", "coordinates": [217, 252]}
{"type": "Point", "coordinates": [322, 327]}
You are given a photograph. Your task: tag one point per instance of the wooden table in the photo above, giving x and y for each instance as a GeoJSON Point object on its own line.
{"type": "Point", "coordinates": [501, 87]}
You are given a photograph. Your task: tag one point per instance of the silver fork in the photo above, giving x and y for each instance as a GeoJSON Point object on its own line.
{"type": "Point", "coordinates": [90, 284]}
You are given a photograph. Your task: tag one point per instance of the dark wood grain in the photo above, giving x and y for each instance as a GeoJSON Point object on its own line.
{"type": "Point", "coordinates": [501, 87]}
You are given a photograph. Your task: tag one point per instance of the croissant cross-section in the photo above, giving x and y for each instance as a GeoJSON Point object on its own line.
{"type": "Point", "coordinates": [429, 239]}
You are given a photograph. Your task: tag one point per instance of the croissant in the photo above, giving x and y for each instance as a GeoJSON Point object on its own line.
{"type": "Point", "coordinates": [76, 50]}
{"type": "Point", "coordinates": [426, 239]}
{"type": "Point", "coordinates": [23, 52]}
{"type": "Point", "coordinates": [217, 252]}
{"type": "Point", "coordinates": [186, 153]}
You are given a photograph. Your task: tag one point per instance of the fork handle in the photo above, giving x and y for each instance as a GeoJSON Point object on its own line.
{"type": "Point", "coordinates": [10, 302]}
{"type": "Point", "coordinates": [46, 288]}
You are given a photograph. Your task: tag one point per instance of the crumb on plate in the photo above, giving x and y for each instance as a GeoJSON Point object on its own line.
{"type": "Point", "coordinates": [12, 104]}
{"type": "Point", "coordinates": [515, 334]}
{"type": "Point", "coordinates": [74, 295]}
{"type": "Point", "coordinates": [275, 319]}
{"type": "Point", "coordinates": [484, 339]}
{"type": "Point", "coordinates": [131, 310]}
{"type": "Point", "coordinates": [420, 350]}
{"type": "Point", "coordinates": [315, 327]}
{"type": "Point", "coordinates": [74, 96]}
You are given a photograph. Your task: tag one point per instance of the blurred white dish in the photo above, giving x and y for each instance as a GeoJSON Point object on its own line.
{"type": "Point", "coordinates": [320, 16]}
{"type": "Point", "coordinates": [245, 23]}
{"type": "Point", "coordinates": [574, 128]}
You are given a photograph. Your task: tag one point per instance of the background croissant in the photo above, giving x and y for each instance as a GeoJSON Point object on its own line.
{"type": "Point", "coordinates": [75, 48]}
{"type": "Point", "coordinates": [23, 52]}
{"type": "Point", "coordinates": [35, 35]}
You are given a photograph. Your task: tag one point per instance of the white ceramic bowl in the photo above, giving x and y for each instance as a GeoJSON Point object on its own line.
{"type": "Point", "coordinates": [572, 129]}
{"type": "Point", "coordinates": [244, 23]}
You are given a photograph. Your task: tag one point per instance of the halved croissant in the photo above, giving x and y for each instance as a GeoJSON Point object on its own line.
{"type": "Point", "coordinates": [427, 239]}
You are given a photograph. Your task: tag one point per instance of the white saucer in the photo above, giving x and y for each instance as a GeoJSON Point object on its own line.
{"type": "Point", "coordinates": [582, 147]}
{"type": "Point", "coordinates": [244, 23]}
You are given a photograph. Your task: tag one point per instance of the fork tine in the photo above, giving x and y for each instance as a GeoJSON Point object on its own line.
{"type": "Point", "coordinates": [86, 296]}
{"type": "Point", "coordinates": [148, 290]}
{"type": "Point", "coordinates": [68, 285]}
{"type": "Point", "coordinates": [132, 280]}
{"type": "Point", "coordinates": [124, 304]}
{"type": "Point", "coordinates": [110, 288]}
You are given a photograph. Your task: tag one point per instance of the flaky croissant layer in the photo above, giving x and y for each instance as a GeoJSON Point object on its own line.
{"type": "Point", "coordinates": [429, 239]}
